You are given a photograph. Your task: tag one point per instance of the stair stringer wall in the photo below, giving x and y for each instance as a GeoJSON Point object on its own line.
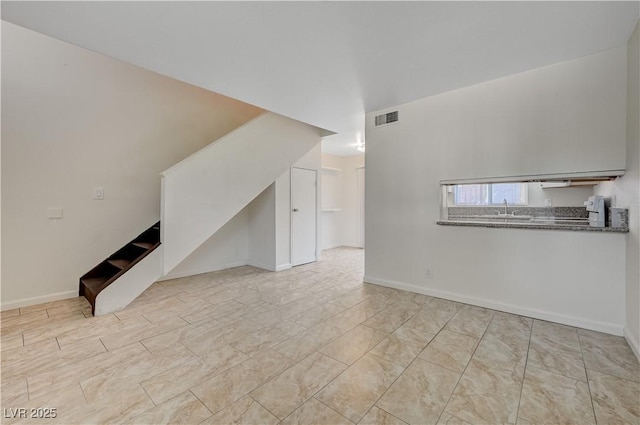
{"type": "Point", "coordinates": [206, 190]}
{"type": "Point", "coordinates": [130, 285]}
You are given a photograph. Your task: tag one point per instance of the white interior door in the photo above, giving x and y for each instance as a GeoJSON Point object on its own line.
{"type": "Point", "coordinates": [303, 216]}
{"type": "Point", "coordinates": [360, 188]}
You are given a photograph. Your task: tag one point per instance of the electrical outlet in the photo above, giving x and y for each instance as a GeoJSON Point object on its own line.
{"type": "Point", "coordinates": [548, 202]}
{"type": "Point", "coordinates": [428, 273]}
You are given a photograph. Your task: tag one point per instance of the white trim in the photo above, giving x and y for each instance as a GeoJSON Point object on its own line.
{"type": "Point", "coordinates": [635, 345]}
{"type": "Point", "coordinates": [535, 177]}
{"type": "Point", "coordinates": [269, 267]}
{"type": "Point", "coordinates": [126, 288]}
{"type": "Point", "coordinates": [278, 268]}
{"type": "Point", "coordinates": [26, 302]}
{"type": "Point", "coordinates": [202, 270]}
{"type": "Point", "coordinates": [361, 184]}
{"type": "Point", "coordinates": [610, 328]}
{"type": "Point", "coordinates": [285, 266]}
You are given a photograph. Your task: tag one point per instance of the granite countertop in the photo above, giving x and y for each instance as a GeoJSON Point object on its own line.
{"type": "Point", "coordinates": [524, 217]}
{"type": "Point", "coordinates": [530, 225]}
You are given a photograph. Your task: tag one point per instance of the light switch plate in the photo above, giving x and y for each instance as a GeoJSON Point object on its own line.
{"type": "Point", "coordinates": [54, 212]}
{"type": "Point", "coordinates": [98, 193]}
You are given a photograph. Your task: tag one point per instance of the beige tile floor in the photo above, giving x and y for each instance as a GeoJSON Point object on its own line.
{"type": "Point", "coordinates": [311, 345]}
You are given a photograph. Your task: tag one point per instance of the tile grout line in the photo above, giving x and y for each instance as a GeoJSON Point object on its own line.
{"type": "Point", "coordinates": [466, 366]}
{"type": "Point", "coordinates": [380, 408]}
{"type": "Point", "coordinates": [369, 351]}
{"type": "Point", "coordinates": [145, 391]}
{"type": "Point", "coordinates": [102, 342]}
{"type": "Point", "coordinates": [336, 377]}
{"type": "Point", "coordinates": [28, 392]}
{"type": "Point", "coordinates": [205, 406]}
{"type": "Point", "coordinates": [261, 405]}
{"type": "Point", "coordinates": [329, 407]}
{"type": "Point", "coordinates": [270, 280]}
{"type": "Point", "coordinates": [86, 400]}
{"type": "Point", "coordinates": [524, 373]}
{"type": "Point", "coordinates": [593, 409]}
{"type": "Point", "coordinates": [410, 363]}
{"type": "Point", "coordinates": [561, 375]}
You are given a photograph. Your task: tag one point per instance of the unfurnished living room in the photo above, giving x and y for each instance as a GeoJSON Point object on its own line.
{"type": "Point", "coordinates": [343, 212]}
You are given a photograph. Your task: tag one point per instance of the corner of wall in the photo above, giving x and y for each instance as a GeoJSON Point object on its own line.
{"type": "Point", "coordinates": [630, 189]}
{"type": "Point", "coordinates": [633, 343]}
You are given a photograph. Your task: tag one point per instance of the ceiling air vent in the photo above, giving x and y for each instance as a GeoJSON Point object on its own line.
{"type": "Point", "coordinates": [387, 118]}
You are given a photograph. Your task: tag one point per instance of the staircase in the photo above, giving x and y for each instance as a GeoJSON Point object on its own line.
{"type": "Point", "coordinates": [102, 275]}
{"type": "Point", "coordinates": [199, 195]}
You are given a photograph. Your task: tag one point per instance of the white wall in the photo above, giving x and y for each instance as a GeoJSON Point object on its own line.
{"type": "Point", "coordinates": [632, 324]}
{"type": "Point", "coordinates": [260, 235]}
{"type": "Point", "coordinates": [351, 218]}
{"type": "Point", "coordinates": [627, 192]}
{"type": "Point", "coordinates": [262, 229]}
{"type": "Point", "coordinates": [203, 192]}
{"type": "Point", "coordinates": [228, 247]}
{"type": "Point", "coordinates": [528, 123]}
{"type": "Point", "coordinates": [339, 191]}
{"type": "Point", "coordinates": [270, 219]}
{"type": "Point", "coordinates": [332, 201]}
{"type": "Point", "coordinates": [568, 117]}
{"type": "Point", "coordinates": [73, 120]}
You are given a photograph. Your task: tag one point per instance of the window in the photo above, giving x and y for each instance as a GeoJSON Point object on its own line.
{"type": "Point", "coordinates": [490, 194]}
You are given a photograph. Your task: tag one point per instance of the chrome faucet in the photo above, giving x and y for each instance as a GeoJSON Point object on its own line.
{"type": "Point", "coordinates": [504, 201]}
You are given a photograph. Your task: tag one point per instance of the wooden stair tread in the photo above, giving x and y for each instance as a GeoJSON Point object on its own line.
{"type": "Point", "coordinates": [102, 275]}
{"type": "Point", "coordinates": [94, 282]}
{"type": "Point", "coordinates": [145, 245]}
{"type": "Point", "coordinates": [119, 263]}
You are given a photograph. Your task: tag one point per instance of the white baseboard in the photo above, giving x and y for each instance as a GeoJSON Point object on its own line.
{"type": "Point", "coordinates": [209, 269]}
{"type": "Point", "coordinates": [633, 343]}
{"type": "Point", "coordinates": [278, 268]}
{"type": "Point", "coordinates": [269, 267]}
{"type": "Point", "coordinates": [605, 327]}
{"type": "Point", "coordinates": [352, 245]}
{"type": "Point", "coordinates": [281, 267]}
{"type": "Point", "coordinates": [26, 302]}
{"type": "Point", "coordinates": [202, 270]}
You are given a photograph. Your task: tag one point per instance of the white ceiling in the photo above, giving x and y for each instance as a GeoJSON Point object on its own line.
{"type": "Point", "coordinates": [327, 63]}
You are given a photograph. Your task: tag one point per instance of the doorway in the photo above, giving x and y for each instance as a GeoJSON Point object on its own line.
{"type": "Point", "coordinates": [303, 216]}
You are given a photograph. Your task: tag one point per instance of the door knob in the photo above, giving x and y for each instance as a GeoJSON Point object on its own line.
{"type": "Point", "coordinates": [295, 210]}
